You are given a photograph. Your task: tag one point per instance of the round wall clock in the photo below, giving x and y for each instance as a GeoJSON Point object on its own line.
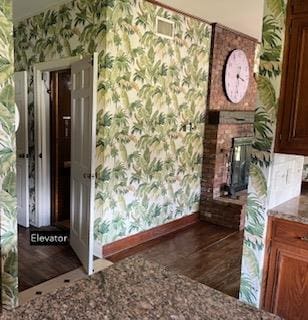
{"type": "Point", "coordinates": [237, 76]}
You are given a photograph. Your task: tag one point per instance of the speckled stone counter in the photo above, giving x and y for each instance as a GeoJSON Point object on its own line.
{"type": "Point", "coordinates": [136, 289]}
{"type": "Point", "coordinates": [293, 210]}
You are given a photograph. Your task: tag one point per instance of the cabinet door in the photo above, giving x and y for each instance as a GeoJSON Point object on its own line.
{"type": "Point", "coordinates": [286, 293]}
{"type": "Point", "coordinates": [299, 6]}
{"type": "Point", "coordinates": [292, 134]}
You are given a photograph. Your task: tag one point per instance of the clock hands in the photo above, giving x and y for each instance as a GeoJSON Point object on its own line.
{"type": "Point", "coordinates": [238, 75]}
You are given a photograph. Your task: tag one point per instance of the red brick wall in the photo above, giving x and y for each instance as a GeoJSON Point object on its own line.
{"type": "Point", "coordinates": [217, 149]}
{"type": "Point", "coordinates": [230, 215]}
{"type": "Point", "coordinates": [224, 42]}
{"type": "Point", "coordinates": [218, 137]}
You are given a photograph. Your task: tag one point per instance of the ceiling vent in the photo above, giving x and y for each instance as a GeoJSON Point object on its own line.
{"type": "Point", "coordinates": [164, 28]}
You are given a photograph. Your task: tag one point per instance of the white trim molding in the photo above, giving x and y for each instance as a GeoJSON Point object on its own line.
{"type": "Point", "coordinates": [42, 139]}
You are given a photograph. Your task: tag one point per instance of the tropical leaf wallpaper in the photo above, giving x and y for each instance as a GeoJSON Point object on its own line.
{"type": "Point", "coordinates": [150, 90]}
{"type": "Point", "coordinates": [268, 81]}
{"type": "Point", "coordinates": [8, 221]}
{"type": "Point", "coordinates": [151, 95]}
{"type": "Point", "coordinates": [305, 171]}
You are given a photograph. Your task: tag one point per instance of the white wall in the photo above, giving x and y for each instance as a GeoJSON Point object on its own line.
{"type": "Point", "coordinates": [285, 178]}
{"type": "Point", "coordinates": [26, 8]}
{"type": "Point", "coordinates": [242, 15]}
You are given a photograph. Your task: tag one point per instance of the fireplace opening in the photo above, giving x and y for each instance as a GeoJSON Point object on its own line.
{"type": "Point", "coordinates": [239, 165]}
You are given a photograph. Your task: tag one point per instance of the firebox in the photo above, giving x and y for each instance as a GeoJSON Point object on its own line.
{"type": "Point", "coordinates": [239, 164]}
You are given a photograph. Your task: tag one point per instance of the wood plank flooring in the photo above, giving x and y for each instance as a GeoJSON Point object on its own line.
{"type": "Point", "coordinates": [37, 264]}
{"type": "Point", "coordinates": [204, 252]}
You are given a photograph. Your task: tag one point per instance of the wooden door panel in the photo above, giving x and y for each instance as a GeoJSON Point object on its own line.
{"type": "Point", "coordinates": [299, 6]}
{"type": "Point", "coordinates": [291, 296]}
{"type": "Point", "coordinates": [286, 293]}
{"type": "Point", "coordinates": [293, 118]}
{"type": "Point", "coordinates": [84, 94]}
{"type": "Point", "coordinates": [300, 98]}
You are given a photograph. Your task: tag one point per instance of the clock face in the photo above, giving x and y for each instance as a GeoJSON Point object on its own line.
{"type": "Point", "coordinates": [237, 76]}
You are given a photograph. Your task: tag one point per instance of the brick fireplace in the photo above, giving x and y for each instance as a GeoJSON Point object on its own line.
{"type": "Point", "coordinates": [225, 124]}
{"type": "Point", "coordinates": [216, 206]}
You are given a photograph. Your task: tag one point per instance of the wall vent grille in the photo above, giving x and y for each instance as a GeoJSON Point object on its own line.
{"type": "Point", "coordinates": [164, 28]}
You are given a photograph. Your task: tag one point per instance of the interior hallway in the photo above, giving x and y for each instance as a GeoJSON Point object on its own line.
{"type": "Point", "coordinates": [204, 252]}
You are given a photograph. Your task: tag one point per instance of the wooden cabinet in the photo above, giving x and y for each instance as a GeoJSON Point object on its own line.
{"type": "Point", "coordinates": [299, 6]}
{"type": "Point", "coordinates": [292, 133]}
{"type": "Point", "coordinates": [286, 270]}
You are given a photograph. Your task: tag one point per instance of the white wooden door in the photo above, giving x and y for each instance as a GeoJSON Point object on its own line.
{"type": "Point", "coordinates": [22, 162]}
{"type": "Point", "coordinates": [83, 118]}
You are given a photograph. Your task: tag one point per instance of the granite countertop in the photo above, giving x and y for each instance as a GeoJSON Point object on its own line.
{"type": "Point", "coordinates": [295, 209]}
{"type": "Point", "coordinates": [136, 289]}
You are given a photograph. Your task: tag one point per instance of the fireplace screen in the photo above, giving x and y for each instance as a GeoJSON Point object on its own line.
{"type": "Point", "coordinates": [240, 161]}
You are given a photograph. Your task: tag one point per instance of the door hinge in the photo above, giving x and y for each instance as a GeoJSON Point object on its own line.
{"type": "Point", "coordinates": [89, 176]}
{"type": "Point", "coordinates": [23, 156]}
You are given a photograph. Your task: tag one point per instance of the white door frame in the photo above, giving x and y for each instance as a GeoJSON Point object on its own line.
{"type": "Point", "coordinates": [42, 141]}
{"type": "Point", "coordinates": [22, 148]}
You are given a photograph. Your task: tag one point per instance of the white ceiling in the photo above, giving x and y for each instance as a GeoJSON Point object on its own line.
{"type": "Point", "coordinates": [242, 15]}
{"type": "Point", "coordinates": [27, 8]}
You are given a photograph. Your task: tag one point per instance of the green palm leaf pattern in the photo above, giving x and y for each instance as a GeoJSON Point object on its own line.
{"type": "Point", "coordinates": [267, 95]}
{"type": "Point", "coordinates": [252, 261]}
{"type": "Point", "coordinates": [277, 7]}
{"type": "Point", "coordinates": [247, 290]}
{"type": "Point", "coordinates": [148, 168]}
{"type": "Point", "coordinates": [258, 181]}
{"type": "Point", "coordinates": [8, 220]}
{"type": "Point", "coordinates": [268, 82]}
{"type": "Point", "coordinates": [271, 47]}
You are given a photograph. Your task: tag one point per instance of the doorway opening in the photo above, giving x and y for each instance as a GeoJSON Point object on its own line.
{"type": "Point", "coordinates": [64, 129]}
{"type": "Point", "coordinates": [60, 146]}
{"type": "Point", "coordinates": [56, 90]}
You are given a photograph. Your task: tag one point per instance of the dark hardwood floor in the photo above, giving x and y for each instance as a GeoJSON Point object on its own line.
{"type": "Point", "coordinates": [37, 264]}
{"type": "Point", "coordinates": [204, 252]}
